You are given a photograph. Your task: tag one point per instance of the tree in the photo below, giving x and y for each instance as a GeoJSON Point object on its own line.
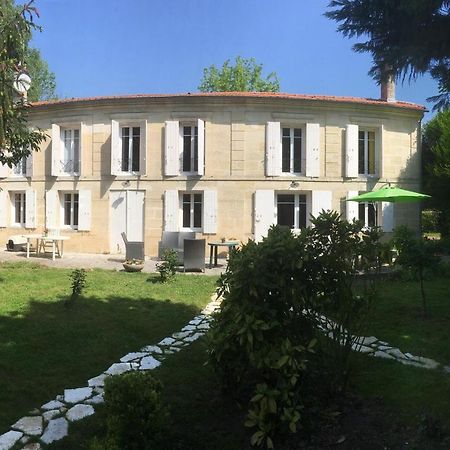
{"type": "Point", "coordinates": [43, 85]}
{"type": "Point", "coordinates": [243, 76]}
{"type": "Point", "coordinates": [410, 37]}
{"type": "Point", "coordinates": [16, 139]}
{"type": "Point", "coordinates": [436, 152]}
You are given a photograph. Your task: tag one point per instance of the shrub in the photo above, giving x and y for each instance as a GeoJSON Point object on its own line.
{"type": "Point", "coordinates": [265, 342]}
{"type": "Point", "coordinates": [78, 277]}
{"type": "Point", "coordinates": [136, 416]}
{"type": "Point", "coordinates": [168, 267]}
{"type": "Point", "coordinates": [430, 221]}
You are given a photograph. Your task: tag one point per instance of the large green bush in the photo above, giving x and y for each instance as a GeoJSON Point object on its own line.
{"type": "Point", "coordinates": [267, 343]}
{"type": "Point", "coordinates": [136, 416]}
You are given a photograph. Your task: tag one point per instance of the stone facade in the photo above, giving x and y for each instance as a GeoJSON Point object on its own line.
{"type": "Point", "coordinates": [234, 142]}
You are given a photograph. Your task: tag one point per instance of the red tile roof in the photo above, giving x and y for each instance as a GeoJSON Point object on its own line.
{"type": "Point", "coordinates": [262, 95]}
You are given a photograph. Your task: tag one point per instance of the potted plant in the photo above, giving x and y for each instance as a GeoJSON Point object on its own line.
{"type": "Point", "coordinates": [133, 265]}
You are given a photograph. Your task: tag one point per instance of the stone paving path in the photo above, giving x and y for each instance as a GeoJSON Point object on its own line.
{"type": "Point", "coordinates": [50, 422]}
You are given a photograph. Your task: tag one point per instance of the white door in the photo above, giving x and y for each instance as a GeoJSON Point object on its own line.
{"type": "Point", "coordinates": [127, 216]}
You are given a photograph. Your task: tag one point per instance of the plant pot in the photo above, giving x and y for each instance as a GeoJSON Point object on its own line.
{"type": "Point", "coordinates": [132, 267]}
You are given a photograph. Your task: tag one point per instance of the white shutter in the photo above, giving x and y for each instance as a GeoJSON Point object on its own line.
{"type": "Point", "coordinates": [312, 150]}
{"type": "Point", "coordinates": [30, 208]}
{"type": "Point", "coordinates": [352, 208]}
{"type": "Point", "coordinates": [143, 149]}
{"type": "Point", "coordinates": [273, 149]}
{"type": "Point", "coordinates": [321, 200]}
{"type": "Point", "coordinates": [56, 150]}
{"type": "Point", "coordinates": [51, 209]}
{"type": "Point", "coordinates": [3, 204]}
{"type": "Point", "coordinates": [116, 150]}
{"type": "Point", "coordinates": [84, 210]}
{"type": "Point", "coordinates": [387, 216]}
{"type": "Point", "coordinates": [351, 151]}
{"type": "Point", "coordinates": [201, 146]}
{"type": "Point", "coordinates": [171, 150]}
{"type": "Point", "coordinates": [80, 149]}
{"type": "Point", "coordinates": [4, 171]}
{"type": "Point", "coordinates": [29, 165]}
{"type": "Point", "coordinates": [209, 212]}
{"type": "Point", "coordinates": [171, 208]}
{"type": "Point", "coordinates": [264, 212]}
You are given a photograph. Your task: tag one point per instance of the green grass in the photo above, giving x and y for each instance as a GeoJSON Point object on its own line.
{"type": "Point", "coordinates": [46, 347]}
{"type": "Point", "coordinates": [397, 318]}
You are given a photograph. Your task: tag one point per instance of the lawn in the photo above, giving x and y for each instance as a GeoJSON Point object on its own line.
{"type": "Point", "coordinates": [46, 347]}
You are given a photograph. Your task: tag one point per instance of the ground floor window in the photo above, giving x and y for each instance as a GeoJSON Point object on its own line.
{"type": "Point", "coordinates": [70, 209]}
{"type": "Point", "coordinates": [367, 213]}
{"type": "Point", "coordinates": [291, 210]}
{"type": "Point", "coordinates": [18, 208]}
{"type": "Point", "coordinates": [192, 205]}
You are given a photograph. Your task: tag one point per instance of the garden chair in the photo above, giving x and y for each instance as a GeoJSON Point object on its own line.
{"type": "Point", "coordinates": [133, 249]}
{"type": "Point", "coordinates": [194, 254]}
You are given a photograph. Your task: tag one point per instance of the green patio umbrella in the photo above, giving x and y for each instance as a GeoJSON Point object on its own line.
{"type": "Point", "coordinates": [389, 194]}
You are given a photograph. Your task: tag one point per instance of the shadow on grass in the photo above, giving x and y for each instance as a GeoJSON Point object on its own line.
{"type": "Point", "coordinates": [49, 347]}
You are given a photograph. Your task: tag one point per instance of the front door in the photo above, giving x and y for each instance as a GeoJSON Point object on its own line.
{"type": "Point", "coordinates": [127, 216]}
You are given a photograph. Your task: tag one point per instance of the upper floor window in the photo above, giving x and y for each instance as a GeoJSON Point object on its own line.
{"type": "Point", "coordinates": [128, 147]}
{"type": "Point", "coordinates": [291, 145]}
{"type": "Point", "coordinates": [291, 210]}
{"type": "Point", "coordinates": [18, 208]}
{"type": "Point", "coordinates": [20, 169]}
{"type": "Point", "coordinates": [366, 152]}
{"type": "Point", "coordinates": [131, 143]}
{"type": "Point", "coordinates": [293, 150]}
{"type": "Point", "coordinates": [66, 150]}
{"type": "Point", "coordinates": [184, 150]}
{"type": "Point", "coordinates": [70, 158]}
{"type": "Point", "coordinates": [189, 149]}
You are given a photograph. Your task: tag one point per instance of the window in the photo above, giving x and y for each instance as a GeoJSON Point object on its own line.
{"type": "Point", "coordinates": [131, 142]}
{"type": "Point", "coordinates": [70, 202]}
{"type": "Point", "coordinates": [70, 158]}
{"type": "Point", "coordinates": [20, 169]}
{"type": "Point", "coordinates": [192, 205]}
{"type": "Point", "coordinates": [291, 210]}
{"type": "Point", "coordinates": [367, 213]}
{"type": "Point", "coordinates": [366, 152]}
{"type": "Point", "coordinates": [291, 150]}
{"type": "Point", "coordinates": [189, 151]}
{"type": "Point", "coordinates": [18, 209]}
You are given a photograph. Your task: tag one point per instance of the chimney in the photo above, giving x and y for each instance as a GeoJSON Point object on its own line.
{"type": "Point", "coordinates": [388, 85]}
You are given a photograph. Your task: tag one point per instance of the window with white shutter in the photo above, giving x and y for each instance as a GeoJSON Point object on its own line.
{"type": "Point", "coordinates": [292, 210]}
{"type": "Point", "coordinates": [273, 149]}
{"type": "Point", "coordinates": [351, 151]}
{"type": "Point", "coordinates": [367, 153]}
{"type": "Point", "coordinates": [51, 209]}
{"type": "Point", "coordinates": [128, 147]}
{"type": "Point", "coordinates": [30, 209]}
{"type": "Point", "coordinates": [368, 214]}
{"type": "Point", "coordinates": [351, 207]}
{"type": "Point", "coordinates": [210, 212]}
{"type": "Point", "coordinates": [171, 210]}
{"type": "Point", "coordinates": [320, 201]}
{"type": "Point", "coordinates": [171, 148]}
{"type": "Point", "coordinates": [56, 150]}
{"type": "Point", "coordinates": [264, 214]}
{"type": "Point", "coordinates": [312, 139]}
{"type": "Point", "coordinates": [18, 208]}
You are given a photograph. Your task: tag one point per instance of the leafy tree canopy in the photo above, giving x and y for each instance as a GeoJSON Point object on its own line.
{"type": "Point", "coordinates": [436, 151]}
{"type": "Point", "coordinates": [16, 139]}
{"type": "Point", "coordinates": [43, 86]}
{"type": "Point", "coordinates": [244, 76]}
{"type": "Point", "coordinates": [410, 37]}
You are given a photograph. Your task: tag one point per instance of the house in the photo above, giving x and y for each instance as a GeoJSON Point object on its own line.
{"type": "Point", "coordinates": [221, 164]}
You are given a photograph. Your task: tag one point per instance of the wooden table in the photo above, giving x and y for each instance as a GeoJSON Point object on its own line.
{"type": "Point", "coordinates": [56, 241]}
{"type": "Point", "coordinates": [213, 246]}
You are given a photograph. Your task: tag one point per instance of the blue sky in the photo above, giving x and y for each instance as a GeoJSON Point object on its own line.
{"type": "Point", "coordinates": [111, 47]}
